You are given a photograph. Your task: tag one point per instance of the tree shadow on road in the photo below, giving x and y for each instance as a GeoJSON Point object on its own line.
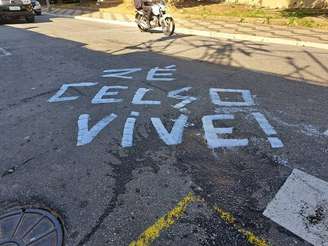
{"type": "Point", "coordinates": [244, 54]}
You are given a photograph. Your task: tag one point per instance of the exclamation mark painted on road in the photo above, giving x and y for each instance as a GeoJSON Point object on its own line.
{"type": "Point", "coordinates": [268, 130]}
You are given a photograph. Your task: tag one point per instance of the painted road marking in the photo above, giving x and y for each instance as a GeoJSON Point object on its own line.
{"type": "Point", "coordinates": [245, 94]}
{"type": "Point", "coordinates": [127, 139]}
{"type": "Point", "coordinates": [326, 133]}
{"type": "Point", "coordinates": [213, 135]}
{"type": "Point", "coordinates": [165, 222]}
{"type": "Point", "coordinates": [120, 73]}
{"type": "Point", "coordinates": [158, 74]}
{"type": "Point", "coordinates": [175, 136]}
{"type": "Point", "coordinates": [153, 232]}
{"type": "Point", "coordinates": [185, 99]}
{"type": "Point", "coordinates": [58, 97]}
{"type": "Point", "coordinates": [211, 132]}
{"type": "Point", "coordinates": [4, 52]}
{"type": "Point", "coordinates": [86, 135]}
{"type": "Point", "coordinates": [268, 130]}
{"type": "Point", "coordinates": [275, 142]}
{"type": "Point", "coordinates": [138, 98]}
{"type": "Point", "coordinates": [301, 206]}
{"type": "Point", "coordinates": [265, 125]}
{"type": "Point", "coordinates": [231, 220]}
{"type": "Point", "coordinates": [105, 91]}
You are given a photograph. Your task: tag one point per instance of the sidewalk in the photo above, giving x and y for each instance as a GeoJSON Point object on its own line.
{"type": "Point", "coordinates": [218, 29]}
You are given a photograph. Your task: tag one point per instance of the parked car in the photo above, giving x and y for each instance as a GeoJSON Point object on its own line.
{"type": "Point", "coordinates": [36, 7]}
{"type": "Point", "coordinates": [15, 9]}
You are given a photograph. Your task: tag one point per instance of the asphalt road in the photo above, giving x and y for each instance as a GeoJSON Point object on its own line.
{"type": "Point", "coordinates": [109, 178]}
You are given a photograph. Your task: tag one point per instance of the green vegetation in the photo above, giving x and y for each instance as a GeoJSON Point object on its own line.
{"type": "Point", "coordinates": [309, 18]}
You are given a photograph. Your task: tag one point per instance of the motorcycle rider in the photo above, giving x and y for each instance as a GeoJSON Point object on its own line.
{"type": "Point", "coordinates": [145, 5]}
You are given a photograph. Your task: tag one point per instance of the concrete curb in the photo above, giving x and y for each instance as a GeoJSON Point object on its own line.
{"type": "Point", "coordinates": [219, 35]}
{"type": "Point", "coordinates": [243, 37]}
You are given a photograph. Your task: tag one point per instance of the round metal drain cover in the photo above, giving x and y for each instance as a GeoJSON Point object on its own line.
{"type": "Point", "coordinates": [33, 227]}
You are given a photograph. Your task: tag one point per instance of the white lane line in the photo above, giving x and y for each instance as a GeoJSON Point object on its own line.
{"type": "Point", "coordinates": [301, 206]}
{"type": "Point", "coordinates": [212, 34]}
{"type": "Point", "coordinates": [4, 52]}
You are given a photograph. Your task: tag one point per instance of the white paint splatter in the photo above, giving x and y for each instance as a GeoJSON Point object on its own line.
{"type": "Point", "coordinates": [281, 160]}
{"type": "Point", "coordinates": [133, 113]}
{"type": "Point", "coordinates": [246, 95]}
{"type": "Point", "coordinates": [120, 73]}
{"type": "Point", "coordinates": [306, 129]}
{"type": "Point", "coordinates": [140, 93]}
{"type": "Point", "coordinates": [185, 99]}
{"type": "Point", "coordinates": [232, 110]}
{"type": "Point", "coordinates": [58, 97]}
{"type": "Point", "coordinates": [4, 52]}
{"type": "Point", "coordinates": [161, 74]}
{"type": "Point", "coordinates": [85, 135]}
{"type": "Point", "coordinates": [211, 133]}
{"type": "Point", "coordinates": [175, 136]}
{"type": "Point", "coordinates": [104, 91]}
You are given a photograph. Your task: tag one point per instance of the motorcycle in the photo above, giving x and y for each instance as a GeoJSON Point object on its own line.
{"type": "Point", "coordinates": [159, 18]}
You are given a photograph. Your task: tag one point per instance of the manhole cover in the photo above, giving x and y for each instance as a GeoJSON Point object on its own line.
{"type": "Point", "coordinates": [35, 227]}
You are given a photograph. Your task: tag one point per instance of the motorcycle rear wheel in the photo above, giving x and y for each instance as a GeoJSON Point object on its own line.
{"type": "Point", "coordinates": [139, 18]}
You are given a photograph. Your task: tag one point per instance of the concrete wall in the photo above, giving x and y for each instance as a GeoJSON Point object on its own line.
{"type": "Point", "coordinates": [284, 3]}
